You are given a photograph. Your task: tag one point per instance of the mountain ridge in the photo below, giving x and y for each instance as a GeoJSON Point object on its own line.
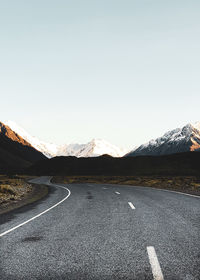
{"type": "Point", "coordinates": [178, 140]}
{"type": "Point", "coordinates": [184, 139]}
{"type": "Point", "coordinates": [15, 152]}
{"type": "Point", "coordinates": [96, 147]}
{"type": "Point", "coordinates": [48, 149]}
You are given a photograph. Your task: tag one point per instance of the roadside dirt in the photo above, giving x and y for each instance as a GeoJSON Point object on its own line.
{"type": "Point", "coordinates": [16, 192]}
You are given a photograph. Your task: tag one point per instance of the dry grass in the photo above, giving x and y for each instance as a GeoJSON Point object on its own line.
{"type": "Point", "coordinates": [13, 188]}
{"type": "Point", "coordinates": [188, 184]}
{"type": "Point", "coordinates": [15, 192]}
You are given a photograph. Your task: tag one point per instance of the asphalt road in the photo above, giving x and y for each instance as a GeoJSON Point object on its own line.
{"type": "Point", "coordinates": [90, 231]}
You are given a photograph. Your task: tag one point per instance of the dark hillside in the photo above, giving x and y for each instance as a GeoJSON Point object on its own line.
{"type": "Point", "coordinates": [15, 153]}
{"type": "Point", "coordinates": [176, 164]}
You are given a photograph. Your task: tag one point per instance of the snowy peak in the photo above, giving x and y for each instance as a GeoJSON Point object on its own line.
{"type": "Point", "coordinates": [178, 140]}
{"type": "Point", "coordinates": [195, 137]}
{"type": "Point", "coordinates": [11, 134]}
{"type": "Point", "coordinates": [101, 147]}
{"type": "Point", "coordinates": [49, 150]}
{"type": "Point", "coordinates": [16, 152]}
{"type": "Point", "coordinates": [96, 147]}
{"type": "Point", "coordinates": [196, 125]}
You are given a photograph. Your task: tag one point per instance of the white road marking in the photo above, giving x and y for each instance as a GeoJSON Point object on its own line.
{"type": "Point", "coordinates": [157, 189]}
{"type": "Point", "coordinates": [131, 205]}
{"type": "Point", "coordinates": [155, 266]}
{"type": "Point", "coordinates": [117, 192]}
{"type": "Point", "coordinates": [193, 195]}
{"type": "Point", "coordinates": [105, 188]}
{"type": "Point", "coordinates": [40, 214]}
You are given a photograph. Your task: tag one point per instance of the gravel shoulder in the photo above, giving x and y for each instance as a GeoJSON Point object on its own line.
{"type": "Point", "coordinates": [15, 192]}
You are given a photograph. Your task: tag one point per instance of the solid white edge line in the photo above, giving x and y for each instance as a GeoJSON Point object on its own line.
{"type": "Point", "coordinates": [155, 266]}
{"type": "Point", "coordinates": [193, 195]}
{"type": "Point", "coordinates": [131, 205]}
{"type": "Point", "coordinates": [40, 214]}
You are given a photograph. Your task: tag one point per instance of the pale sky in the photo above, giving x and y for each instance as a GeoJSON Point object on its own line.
{"type": "Point", "coordinates": [125, 71]}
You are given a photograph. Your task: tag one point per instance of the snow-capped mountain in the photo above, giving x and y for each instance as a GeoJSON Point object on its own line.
{"type": "Point", "coordinates": [48, 149]}
{"type": "Point", "coordinates": [16, 153]}
{"type": "Point", "coordinates": [96, 147]}
{"type": "Point", "coordinates": [179, 140]}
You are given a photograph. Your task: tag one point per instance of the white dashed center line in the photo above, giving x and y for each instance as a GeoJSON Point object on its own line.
{"type": "Point", "coordinates": [117, 192]}
{"type": "Point", "coordinates": [131, 205]}
{"type": "Point", "coordinates": [155, 266]}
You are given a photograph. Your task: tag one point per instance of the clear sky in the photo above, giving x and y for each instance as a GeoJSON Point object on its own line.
{"type": "Point", "coordinates": [125, 71]}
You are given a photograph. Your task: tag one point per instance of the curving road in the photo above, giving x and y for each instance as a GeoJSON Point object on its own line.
{"type": "Point", "coordinates": [89, 231]}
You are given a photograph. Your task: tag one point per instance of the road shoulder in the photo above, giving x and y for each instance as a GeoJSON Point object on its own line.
{"type": "Point", "coordinates": [36, 193]}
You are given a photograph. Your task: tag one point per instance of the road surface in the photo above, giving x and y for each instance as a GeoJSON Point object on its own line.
{"type": "Point", "coordinates": [90, 231]}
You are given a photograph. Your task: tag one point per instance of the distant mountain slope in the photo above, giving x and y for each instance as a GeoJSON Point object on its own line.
{"type": "Point", "coordinates": [48, 149]}
{"type": "Point", "coordinates": [15, 152]}
{"type": "Point", "coordinates": [179, 140]}
{"type": "Point", "coordinates": [96, 147]}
